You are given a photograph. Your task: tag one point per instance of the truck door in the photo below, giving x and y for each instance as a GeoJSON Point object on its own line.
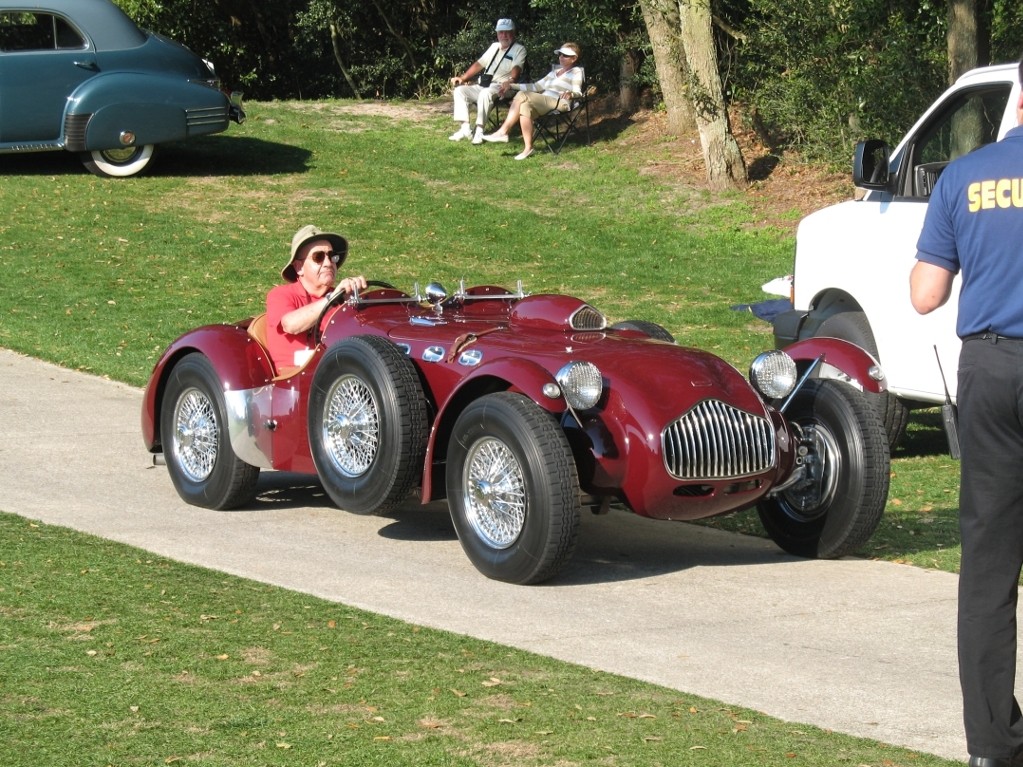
{"type": "Point", "coordinates": [966, 120]}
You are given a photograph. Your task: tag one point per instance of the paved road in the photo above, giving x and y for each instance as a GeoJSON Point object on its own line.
{"type": "Point", "coordinates": [865, 648]}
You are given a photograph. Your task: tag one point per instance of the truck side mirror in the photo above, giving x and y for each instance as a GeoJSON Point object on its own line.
{"type": "Point", "coordinates": [870, 165]}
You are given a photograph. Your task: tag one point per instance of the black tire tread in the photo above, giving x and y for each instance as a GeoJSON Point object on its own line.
{"type": "Point", "coordinates": [562, 480]}
{"type": "Point", "coordinates": [869, 493]}
{"type": "Point", "coordinates": [411, 403]}
{"type": "Point", "coordinates": [242, 477]}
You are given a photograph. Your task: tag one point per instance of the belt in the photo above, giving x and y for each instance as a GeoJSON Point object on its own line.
{"type": "Point", "coordinates": [991, 337]}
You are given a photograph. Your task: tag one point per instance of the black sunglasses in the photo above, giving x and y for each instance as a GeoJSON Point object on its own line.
{"type": "Point", "coordinates": [318, 256]}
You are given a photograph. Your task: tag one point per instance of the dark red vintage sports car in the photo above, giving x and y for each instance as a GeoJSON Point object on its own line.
{"type": "Point", "coordinates": [522, 410]}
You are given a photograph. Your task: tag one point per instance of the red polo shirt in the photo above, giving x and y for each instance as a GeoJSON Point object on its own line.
{"type": "Point", "coordinates": [284, 346]}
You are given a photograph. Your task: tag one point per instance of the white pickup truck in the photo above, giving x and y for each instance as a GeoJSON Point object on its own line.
{"type": "Point", "coordinates": [852, 262]}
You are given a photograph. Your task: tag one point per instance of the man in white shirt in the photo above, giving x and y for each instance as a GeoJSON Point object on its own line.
{"type": "Point", "coordinates": [501, 62]}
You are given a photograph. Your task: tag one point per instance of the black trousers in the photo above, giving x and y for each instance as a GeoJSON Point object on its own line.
{"type": "Point", "coordinates": [990, 400]}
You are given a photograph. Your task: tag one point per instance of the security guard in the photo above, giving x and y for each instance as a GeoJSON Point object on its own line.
{"type": "Point", "coordinates": [974, 225]}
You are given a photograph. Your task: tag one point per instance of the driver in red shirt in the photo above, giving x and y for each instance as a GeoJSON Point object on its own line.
{"type": "Point", "coordinates": [293, 308]}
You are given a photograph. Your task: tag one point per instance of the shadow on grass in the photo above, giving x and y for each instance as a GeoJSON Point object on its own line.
{"type": "Point", "coordinates": [220, 155]}
{"type": "Point", "coordinates": [604, 127]}
{"type": "Point", "coordinates": [227, 155]}
{"type": "Point", "coordinates": [925, 436]}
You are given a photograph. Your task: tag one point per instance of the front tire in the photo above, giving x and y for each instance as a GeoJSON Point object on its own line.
{"type": "Point", "coordinates": [119, 163]}
{"type": "Point", "coordinates": [196, 444]}
{"type": "Point", "coordinates": [837, 505]}
{"type": "Point", "coordinates": [513, 489]}
{"type": "Point", "coordinates": [367, 424]}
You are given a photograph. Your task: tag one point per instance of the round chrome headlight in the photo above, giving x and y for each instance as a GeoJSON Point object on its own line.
{"type": "Point", "coordinates": [582, 384]}
{"type": "Point", "coordinates": [773, 374]}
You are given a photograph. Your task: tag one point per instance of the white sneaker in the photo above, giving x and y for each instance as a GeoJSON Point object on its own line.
{"type": "Point", "coordinates": [461, 133]}
{"type": "Point", "coordinates": [497, 138]}
{"type": "Point", "coordinates": [477, 137]}
{"type": "Point", "coordinates": [524, 154]}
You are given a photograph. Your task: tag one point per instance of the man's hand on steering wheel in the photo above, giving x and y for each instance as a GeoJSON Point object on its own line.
{"type": "Point", "coordinates": [347, 285]}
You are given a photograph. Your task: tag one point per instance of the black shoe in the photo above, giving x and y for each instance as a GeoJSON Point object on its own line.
{"type": "Point", "coordinates": [988, 761]}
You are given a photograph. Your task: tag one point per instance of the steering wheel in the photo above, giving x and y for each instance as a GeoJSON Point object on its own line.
{"type": "Point", "coordinates": [336, 299]}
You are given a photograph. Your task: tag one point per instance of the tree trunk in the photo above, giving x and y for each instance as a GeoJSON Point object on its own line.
{"type": "Point", "coordinates": [335, 44]}
{"type": "Point", "coordinates": [724, 164]}
{"type": "Point", "coordinates": [962, 37]}
{"type": "Point", "coordinates": [628, 94]}
{"type": "Point", "coordinates": [662, 24]}
{"type": "Point", "coordinates": [968, 38]}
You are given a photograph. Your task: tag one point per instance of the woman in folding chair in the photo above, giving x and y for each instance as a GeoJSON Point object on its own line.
{"type": "Point", "coordinates": [555, 91]}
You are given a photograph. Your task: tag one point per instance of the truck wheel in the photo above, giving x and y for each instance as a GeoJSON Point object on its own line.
{"type": "Point", "coordinates": [367, 424]}
{"type": "Point", "coordinates": [513, 490]}
{"type": "Point", "coordinates": [651, 329]}
{"type": "Point", "coordinates": [854, 328]}
{"type": "Point", "coordinates": [836, 505]}
{"type": "Point", "coordinates": [196, 444]}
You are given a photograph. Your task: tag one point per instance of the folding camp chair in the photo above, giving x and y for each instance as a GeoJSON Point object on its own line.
{"type": "Point", "coordinates": [497, 113]}
{"type": "Point", "coordinates": [499, 110]}
{"type": "Point", "coordinates": [555, 127]}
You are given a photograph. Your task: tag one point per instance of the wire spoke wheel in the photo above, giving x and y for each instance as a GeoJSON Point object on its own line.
{"type": "Point", "coordinates": [495, 493]}
{"type": "Point", "coordinates": [351, 426]}
{"type": "Point", "coordinates": [196, 435]}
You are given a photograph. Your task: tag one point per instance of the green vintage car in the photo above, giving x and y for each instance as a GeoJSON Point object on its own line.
{"type": "Point", "coordinates": [80, 76]}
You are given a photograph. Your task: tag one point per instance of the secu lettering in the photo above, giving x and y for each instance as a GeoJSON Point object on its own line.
{"type": "Point", "coordinates": [995, 193]}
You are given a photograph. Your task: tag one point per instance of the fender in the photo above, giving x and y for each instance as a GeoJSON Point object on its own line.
{"type": "Point", "coordinates": [240, 362]}
{"type": "Point", "coordinates": [121, 103]}
{"type": "Point", "coordinates": [505, 374]}
{"type": "Point", "coordinates": [841, 360]}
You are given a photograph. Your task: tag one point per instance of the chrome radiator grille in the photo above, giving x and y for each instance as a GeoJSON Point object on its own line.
{"type": "Point", "coordinates": [717, 441]}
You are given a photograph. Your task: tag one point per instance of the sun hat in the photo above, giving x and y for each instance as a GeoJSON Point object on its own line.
{"type": "Point", "coordinates": [303, 237]}
{"type": "Point", "coordinates": [505, 25]}
{"type": "Point", "coordinates": [569, 49]}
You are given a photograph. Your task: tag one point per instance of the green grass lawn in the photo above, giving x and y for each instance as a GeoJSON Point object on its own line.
{"type": "Point", "coordinates": [114, 656]}
{"type": "Point", "coordinates": [110, 656]}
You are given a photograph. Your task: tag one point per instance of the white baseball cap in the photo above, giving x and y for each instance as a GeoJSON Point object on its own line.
{"type": "Point", "coordinates": [505, 25]}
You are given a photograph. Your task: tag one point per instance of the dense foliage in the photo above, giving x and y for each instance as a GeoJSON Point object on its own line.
{"type": "Point", "coordinates": [822, 75]}
{"type": "Point", "coordinates": [812, 74]}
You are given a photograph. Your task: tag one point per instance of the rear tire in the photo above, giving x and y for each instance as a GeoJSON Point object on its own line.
{"type": "Point", "coordinates": [119, 163]}
{"type": "Point", "coordinates": [196, 444]}
{"type": "Point", "coordinates": [854, 328]}
{"type": "Point", "coordinates": [367, 424]}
